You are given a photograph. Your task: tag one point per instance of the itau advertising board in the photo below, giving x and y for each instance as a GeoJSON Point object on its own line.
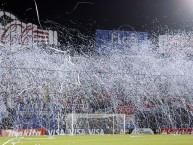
{"type": "Point", "coordinates": [124, 42]}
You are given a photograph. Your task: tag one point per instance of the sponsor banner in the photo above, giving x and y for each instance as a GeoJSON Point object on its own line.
{"type": "Point", "coordinates": [109, 41]}
{"type": "Point", "coordinates": [176, 43]}
{"type": "Point", "coordinates": [95, 131]}
{"type": "Point", "coordinates": [23, 132]}
{"type": "Point", "coordinates": [176, 130]}
{"type": "Point", "coordinates": [142, 131]}
{"type": "Point", "coordinates": [15, 32]}
{"type": "Point", "coordinates": [76, 131]}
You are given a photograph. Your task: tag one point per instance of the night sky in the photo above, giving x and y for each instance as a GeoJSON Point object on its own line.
{"type": "Point", "coordinates": [89, 15]}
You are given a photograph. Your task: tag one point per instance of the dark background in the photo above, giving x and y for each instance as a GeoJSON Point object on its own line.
{"type": "Point", "coordinates": [153, 16]}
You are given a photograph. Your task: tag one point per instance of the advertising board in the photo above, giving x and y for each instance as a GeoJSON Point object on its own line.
{"type": "Point", "coordinates": [176, 130]}
{"type": "Point", "coordinates": [15, 32]}
{"type": "Point", "coordinates": [142, 131]}
{"type": "Point", "coordinates": [176, 43]}
{"type": "Point", "coordinates": [23, 132]}
{"type": "Point", "coordinates": [109, 41]}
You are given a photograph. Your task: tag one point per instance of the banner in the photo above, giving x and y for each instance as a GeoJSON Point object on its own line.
{"type": "Point", "coordinates": [176, 130]}
{"type": "Point", "coordinates": [15, 32]}
{"type": "Point", "coordinates": [35, 119]}
{"type": "Point", "coordinates": [79, 131]}
{"type": "Point", "coordinates": [142, 131]}
{"type": "Point", "coordinates": [109, 41]}
{"type": "Point", "coordinates": [23, 132]}
{"type": "Point", "coordinates": [176, 43]}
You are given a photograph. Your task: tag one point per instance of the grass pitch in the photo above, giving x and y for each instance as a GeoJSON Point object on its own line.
{"type": "Point", "coordinates": [101, 140]}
